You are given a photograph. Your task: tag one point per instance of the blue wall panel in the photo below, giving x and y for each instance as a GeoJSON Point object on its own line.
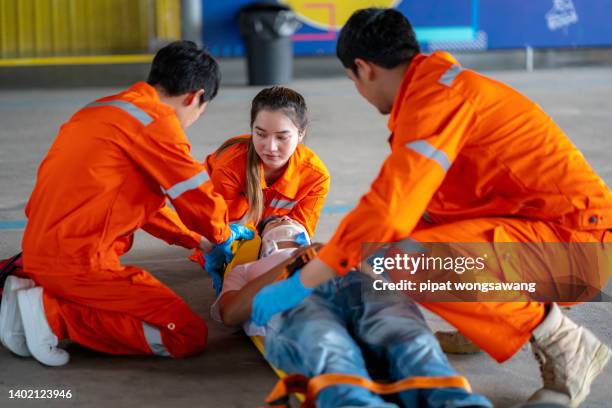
{"type": "Point", "coordinates": [447, 24]}
{"type": "Point", "coordinates": [509, 26]}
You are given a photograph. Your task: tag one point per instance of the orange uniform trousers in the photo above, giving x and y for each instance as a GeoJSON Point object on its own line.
{"type": "Point", "coordinates": [105, 311]}
{"type": "Point", "coordinates": [499, 328]}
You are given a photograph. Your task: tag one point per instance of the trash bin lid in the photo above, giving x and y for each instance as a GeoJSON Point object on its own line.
{"type": "Point", "coordinates": [263, 6]}
{"type": "Point", "coordinates": [266, 20]}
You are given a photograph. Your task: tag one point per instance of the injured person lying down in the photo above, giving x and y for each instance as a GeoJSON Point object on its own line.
{"type": "Point", "coordinates": [336, 326]}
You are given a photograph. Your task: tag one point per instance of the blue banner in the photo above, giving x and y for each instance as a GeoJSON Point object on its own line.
{"type": "Point", "coordinates": [454, 25]}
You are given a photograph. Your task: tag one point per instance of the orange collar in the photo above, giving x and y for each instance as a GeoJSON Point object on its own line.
{"type": "Point", "coordinates": [288, 183]}
{"type": "Point", "coordinates": [145, 89]}
{"type": "Point", "coordinates": [399, 97]}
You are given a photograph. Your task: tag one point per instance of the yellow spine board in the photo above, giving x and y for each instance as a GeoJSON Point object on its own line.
{"type": "Point", "coordinates": [248, 251]}
{"type": "Point", "coordinates": [244, 251]}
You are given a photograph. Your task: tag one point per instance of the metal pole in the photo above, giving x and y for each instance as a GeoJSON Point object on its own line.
{"type": "Point", "coordinates": [529, 58]}
{"type": "Point", "coordinates": [191, 20]}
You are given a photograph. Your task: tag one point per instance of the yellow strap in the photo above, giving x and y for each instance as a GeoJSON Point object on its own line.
{"type": "Point", "coordinates": [318, 383]}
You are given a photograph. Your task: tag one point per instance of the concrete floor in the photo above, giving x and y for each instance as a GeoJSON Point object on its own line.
{"type": "Point", "coordinates": [350, 136]}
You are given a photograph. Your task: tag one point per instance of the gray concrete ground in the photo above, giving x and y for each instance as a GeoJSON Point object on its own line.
{"type": "Point", "coordinates": [351, 138]}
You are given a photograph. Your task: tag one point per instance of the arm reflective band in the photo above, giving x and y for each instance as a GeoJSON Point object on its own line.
{"type": "Point", "coordinates": [186, 185]}
{"type": "Point", "coordinates": [284, 204]}
{"type": "Point", "coordinates": [427, 150]}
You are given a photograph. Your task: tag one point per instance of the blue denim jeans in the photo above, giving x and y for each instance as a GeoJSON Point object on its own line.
{"type": "Point", "coordinates": [327, 332]}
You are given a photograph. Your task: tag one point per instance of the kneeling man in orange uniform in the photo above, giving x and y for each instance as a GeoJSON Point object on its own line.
{"type": "Point", "coordinates": [108, 173]}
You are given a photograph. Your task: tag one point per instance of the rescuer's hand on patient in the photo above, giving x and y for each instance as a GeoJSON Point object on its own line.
{"type": "Point", "coordinates": [214, 262]}
{"type": "Point", "coordinates": [278, 297]}
{"type": "Point", "coordinates": [238, 232]}
{"type": "Point", "coordinates": [221, 254]}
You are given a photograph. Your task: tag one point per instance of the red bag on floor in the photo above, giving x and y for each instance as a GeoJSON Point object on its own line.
{"type": "Point", "coordinates": [10, 266]}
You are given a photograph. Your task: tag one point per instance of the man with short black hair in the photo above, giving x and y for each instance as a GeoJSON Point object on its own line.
{"type": "Point", "coordinates": [471, 160]}
{"type": "Point", "coordinates": [109, 172]}
{"type": "Point", "coordinates": [178, 69]}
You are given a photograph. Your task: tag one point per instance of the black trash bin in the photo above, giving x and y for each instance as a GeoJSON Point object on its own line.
{"type": "Point", "coordinates": [267, 29]}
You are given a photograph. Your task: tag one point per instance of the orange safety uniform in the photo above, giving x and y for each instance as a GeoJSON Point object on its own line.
{"type": "Point", "coordinates": [299, 193]}
{"type": "Point", "coordinates": [109, 172]}
{"type": "Point", "coordinates": [480, 162]}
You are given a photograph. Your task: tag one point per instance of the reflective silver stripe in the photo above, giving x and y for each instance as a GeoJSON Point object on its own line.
{"type": "Point", "coordinates": [427, 150]}
{"type": "Point", "coordinates": [449, 76]}
{"type": "Point", "coordinates": [154, 340]}
{"type": "Point", "coordinates": [186, 185]}
{"type": "Point", "coordinates": [283, 204]}
{"type": "Point", "coordinates": [427, 218]}
{"type": "Point", "coordinates": [137, 113]}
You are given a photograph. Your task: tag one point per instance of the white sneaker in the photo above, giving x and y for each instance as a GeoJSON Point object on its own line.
{"type": "Point", "coordinates": [11, 328]}
{"type": "Point", "coordinates": [570, 356]}
{"type": "Point", "coordinates": [41, 340]}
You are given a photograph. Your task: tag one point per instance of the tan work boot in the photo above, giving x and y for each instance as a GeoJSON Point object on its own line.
{"type": "Point", "coordinates": [570, 356]}
{"type": "Point", "coordinates": [545, 396]}
{"type": "Point", "coordinates": [453, 342]}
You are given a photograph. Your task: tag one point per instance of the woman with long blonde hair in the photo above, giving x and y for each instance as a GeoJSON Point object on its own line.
{"type": "Point", "coordinates": [270, 172]}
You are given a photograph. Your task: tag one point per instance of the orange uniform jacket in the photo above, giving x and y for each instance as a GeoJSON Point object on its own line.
{"type": "Point", "coordinates": [464, 146]}
{"type": "Point", "coordinates": [299, 193]}
{"type": "Point", "coordinates": [108, 173]}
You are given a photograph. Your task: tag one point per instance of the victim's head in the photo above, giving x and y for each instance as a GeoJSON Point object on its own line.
{"type": "Point", "coordinates": [282, 233]}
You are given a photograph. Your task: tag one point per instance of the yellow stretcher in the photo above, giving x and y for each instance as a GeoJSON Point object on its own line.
{"type": "Point", "coordinates": [244, 252]}
{"type": "Point", "coordinates": [306, 389]}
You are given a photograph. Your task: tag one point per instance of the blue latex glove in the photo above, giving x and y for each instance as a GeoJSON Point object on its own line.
{"type": "Point", "coordinates": [278, 297]}
{"type": "Point", "coordinates": [238, 232]}
{"type": "Point", "coordinates": [214, 264]}
{"type": "Point", "coordinates": [221, 254]}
